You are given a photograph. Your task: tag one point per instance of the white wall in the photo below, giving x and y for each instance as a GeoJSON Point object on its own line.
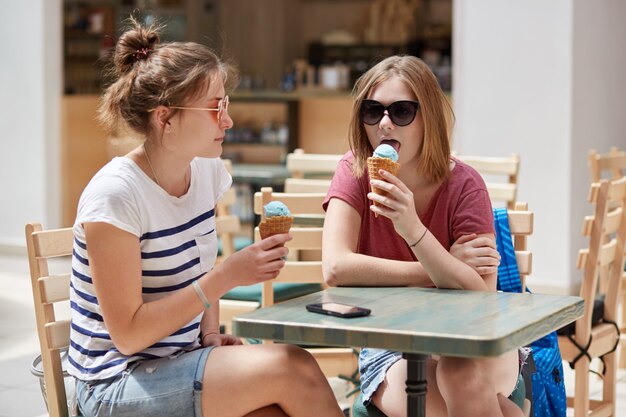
{"type": "Point", "coordinates": [599, 89]}
{"type": "Point", "coordinates": [542, 79]}
{"type": "Point", "coordinates": [30, 86]}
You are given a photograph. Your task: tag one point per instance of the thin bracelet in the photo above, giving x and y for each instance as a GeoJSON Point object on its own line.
{"type": "Point", "coordinates": [201, 295]}
{"type": "Point", "coordinates": [418, 240]}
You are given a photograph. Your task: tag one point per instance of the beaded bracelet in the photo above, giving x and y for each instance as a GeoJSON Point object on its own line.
{"type": "Point", "coordinates": [420, 239]}
{"type": "Point", "coordinates": [201, 295]}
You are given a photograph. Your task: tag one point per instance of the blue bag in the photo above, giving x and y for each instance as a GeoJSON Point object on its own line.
{"type": "Point", "coordinates": [548, 387]}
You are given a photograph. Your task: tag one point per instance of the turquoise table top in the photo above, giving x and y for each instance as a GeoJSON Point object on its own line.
{"type": "Point", "coordinates": [416, 320]}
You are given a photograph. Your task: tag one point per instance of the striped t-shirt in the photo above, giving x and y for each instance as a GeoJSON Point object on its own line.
{"type": "Point", "coordinates": [178, 244]}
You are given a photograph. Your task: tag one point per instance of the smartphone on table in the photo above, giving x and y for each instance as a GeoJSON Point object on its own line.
{"type": "Point", "coordinates": [338, 309]}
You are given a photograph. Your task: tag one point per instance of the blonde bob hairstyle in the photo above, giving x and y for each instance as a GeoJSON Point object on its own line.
{"type": "Point", "coordinates": [436, 113]}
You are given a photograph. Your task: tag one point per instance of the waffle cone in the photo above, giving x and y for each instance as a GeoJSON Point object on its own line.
{"type": "Point", "coordinates": [275, 225]}
{"type": "Point", "coordinates": [374, 164]}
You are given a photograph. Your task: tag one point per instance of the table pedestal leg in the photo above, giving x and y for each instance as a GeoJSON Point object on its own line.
{"type": "Point", "coordinates": [416, 384]}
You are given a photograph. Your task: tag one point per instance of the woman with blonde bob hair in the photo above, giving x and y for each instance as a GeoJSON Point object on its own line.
{"type": "Point", "coordinates": [432, 226]}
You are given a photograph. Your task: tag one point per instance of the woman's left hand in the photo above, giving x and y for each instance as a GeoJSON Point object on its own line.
{"type": "Point", "coordinates": [215, 339]}
{"type": "Point", "coordinates": [479, 252]}
{"type": "Point", "coordinates": [399, 206]}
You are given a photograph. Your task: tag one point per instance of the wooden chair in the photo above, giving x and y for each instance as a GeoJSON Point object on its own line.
{"type": "Point", "coordinates": [244, 299]}
{"type": "Point", "coordinates": [310, 172]}
{"type": "Point", "coordinates": [306, 209]}
{"type": "Point", "coordinates": [611, 165]}
{"type": "Point", "coordinates": [606, 230]}
{"type": "Point", "coordinates": [48, 291]}
{"type": "Point", "coordinates": [493, 169]}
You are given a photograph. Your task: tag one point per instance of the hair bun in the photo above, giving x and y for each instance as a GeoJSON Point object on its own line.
{"type": "Point", "coordinates": [136, 44]}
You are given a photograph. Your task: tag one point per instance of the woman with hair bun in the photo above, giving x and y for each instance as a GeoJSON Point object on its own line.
{"type": "Point", "coordinates": [145, 289]}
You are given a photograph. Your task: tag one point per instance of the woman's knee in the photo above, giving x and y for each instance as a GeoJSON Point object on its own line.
{"type": "Point", "coordinates": [460, 374]}
{"type": "Point", "coordinates": [293, 360]}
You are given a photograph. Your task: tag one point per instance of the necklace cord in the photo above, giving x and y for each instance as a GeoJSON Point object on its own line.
{"type": "Point", "coordinates": [145, 151]}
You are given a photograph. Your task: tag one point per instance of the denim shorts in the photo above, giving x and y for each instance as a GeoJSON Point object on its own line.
{"type": "Point", "coordinates": [374, 364]}
{"type": "Point", "coordinates": [169, 387]}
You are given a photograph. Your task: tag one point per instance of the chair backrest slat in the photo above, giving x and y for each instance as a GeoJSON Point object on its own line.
{"type": "Point", "coordinates": [303, 238]}
{"type": "Point", "coordinates": [58, 334]}
{"type": "Point", "coordinates": [501, 190]}
{"type": "Point", "coordinates": [300, 163]}
{"type": "Point", "coordinates": [298, 203]}
{"type": "Point", "coordinates": [524, 262]}
{"type": "Point", "coordinates": [611, 165]}
{"type": "Point", "coordinates": [53, 243]}
{"type": "Point", "coordinates": [492, 165]}
{"type": "Point", "coordinates": [306, 185]}
{"type": "Point", "coordinates": [55, 288]}
{"type": "Point", "coordinates": [304, 272]}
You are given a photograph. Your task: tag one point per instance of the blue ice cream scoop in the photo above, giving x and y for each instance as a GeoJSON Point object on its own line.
{"type": "Point", "coordinates": [276, 208]}
{"type": "Point", "coordinates": [386, 151]}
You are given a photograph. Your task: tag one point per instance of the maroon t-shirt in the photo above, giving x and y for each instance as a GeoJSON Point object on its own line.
{"type": "Point", "coordinates": [459, 207]}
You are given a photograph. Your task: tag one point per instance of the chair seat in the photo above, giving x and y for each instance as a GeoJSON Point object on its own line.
{"type": "Point", "coordinates": [596, 317]}
{"type": "Point", "coordinates": [282, 291]}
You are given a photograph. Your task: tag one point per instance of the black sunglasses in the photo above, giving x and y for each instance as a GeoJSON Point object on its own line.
{"type": "Point", "coordinates": [401, 112]}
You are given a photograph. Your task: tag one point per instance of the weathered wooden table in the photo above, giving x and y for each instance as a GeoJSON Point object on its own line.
{"type": "Point", "coordinates": [417, 322]}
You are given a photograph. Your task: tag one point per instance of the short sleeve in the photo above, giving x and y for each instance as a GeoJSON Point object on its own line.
{"type": "Point", "coordinates": [345, 186]}
{"type": "Point", "coordinates": [222, 179]}
{"type": "Point", "coordinates": [110, 200]}
{"type": "Point", "coordinates": [474, 213]}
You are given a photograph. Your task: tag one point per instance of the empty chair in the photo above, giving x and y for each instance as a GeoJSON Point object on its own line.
{"type": "Point", "coordinates": [611, 165]}
{"type": "Point", "coordinates": [595, 335]}
{"type": "Point", "coordinates": [307, 235]}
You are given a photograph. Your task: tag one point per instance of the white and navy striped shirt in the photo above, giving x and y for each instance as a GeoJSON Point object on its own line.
{"type": "Point", "coordinates": [178, 244]}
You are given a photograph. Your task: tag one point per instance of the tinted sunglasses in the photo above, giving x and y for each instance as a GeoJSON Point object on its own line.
{"type": "Point", "coordinates": [401, 112]}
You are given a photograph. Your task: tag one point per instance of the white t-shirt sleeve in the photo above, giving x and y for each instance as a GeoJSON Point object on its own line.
{"type": "Point", "coordinates": [222, 180]}
{"type": "Point", "coordinates": [110, 200]}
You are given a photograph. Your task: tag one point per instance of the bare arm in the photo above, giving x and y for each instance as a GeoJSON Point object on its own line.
{"type": "Point", "coordinates": [445, 270]}
{"type": "Point", "coordinates": [115, 264]}
{"type": "Point", "coordinates": [343, 266]}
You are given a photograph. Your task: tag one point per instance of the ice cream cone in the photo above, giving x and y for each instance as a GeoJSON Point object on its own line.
{"type": "Point", "coordinates": [275, 225]}
{"type": "Point", "coordinates": [374, 164]}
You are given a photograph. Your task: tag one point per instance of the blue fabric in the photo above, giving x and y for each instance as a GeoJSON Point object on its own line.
{"type": "Point", "coordinates": [548, 388]}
